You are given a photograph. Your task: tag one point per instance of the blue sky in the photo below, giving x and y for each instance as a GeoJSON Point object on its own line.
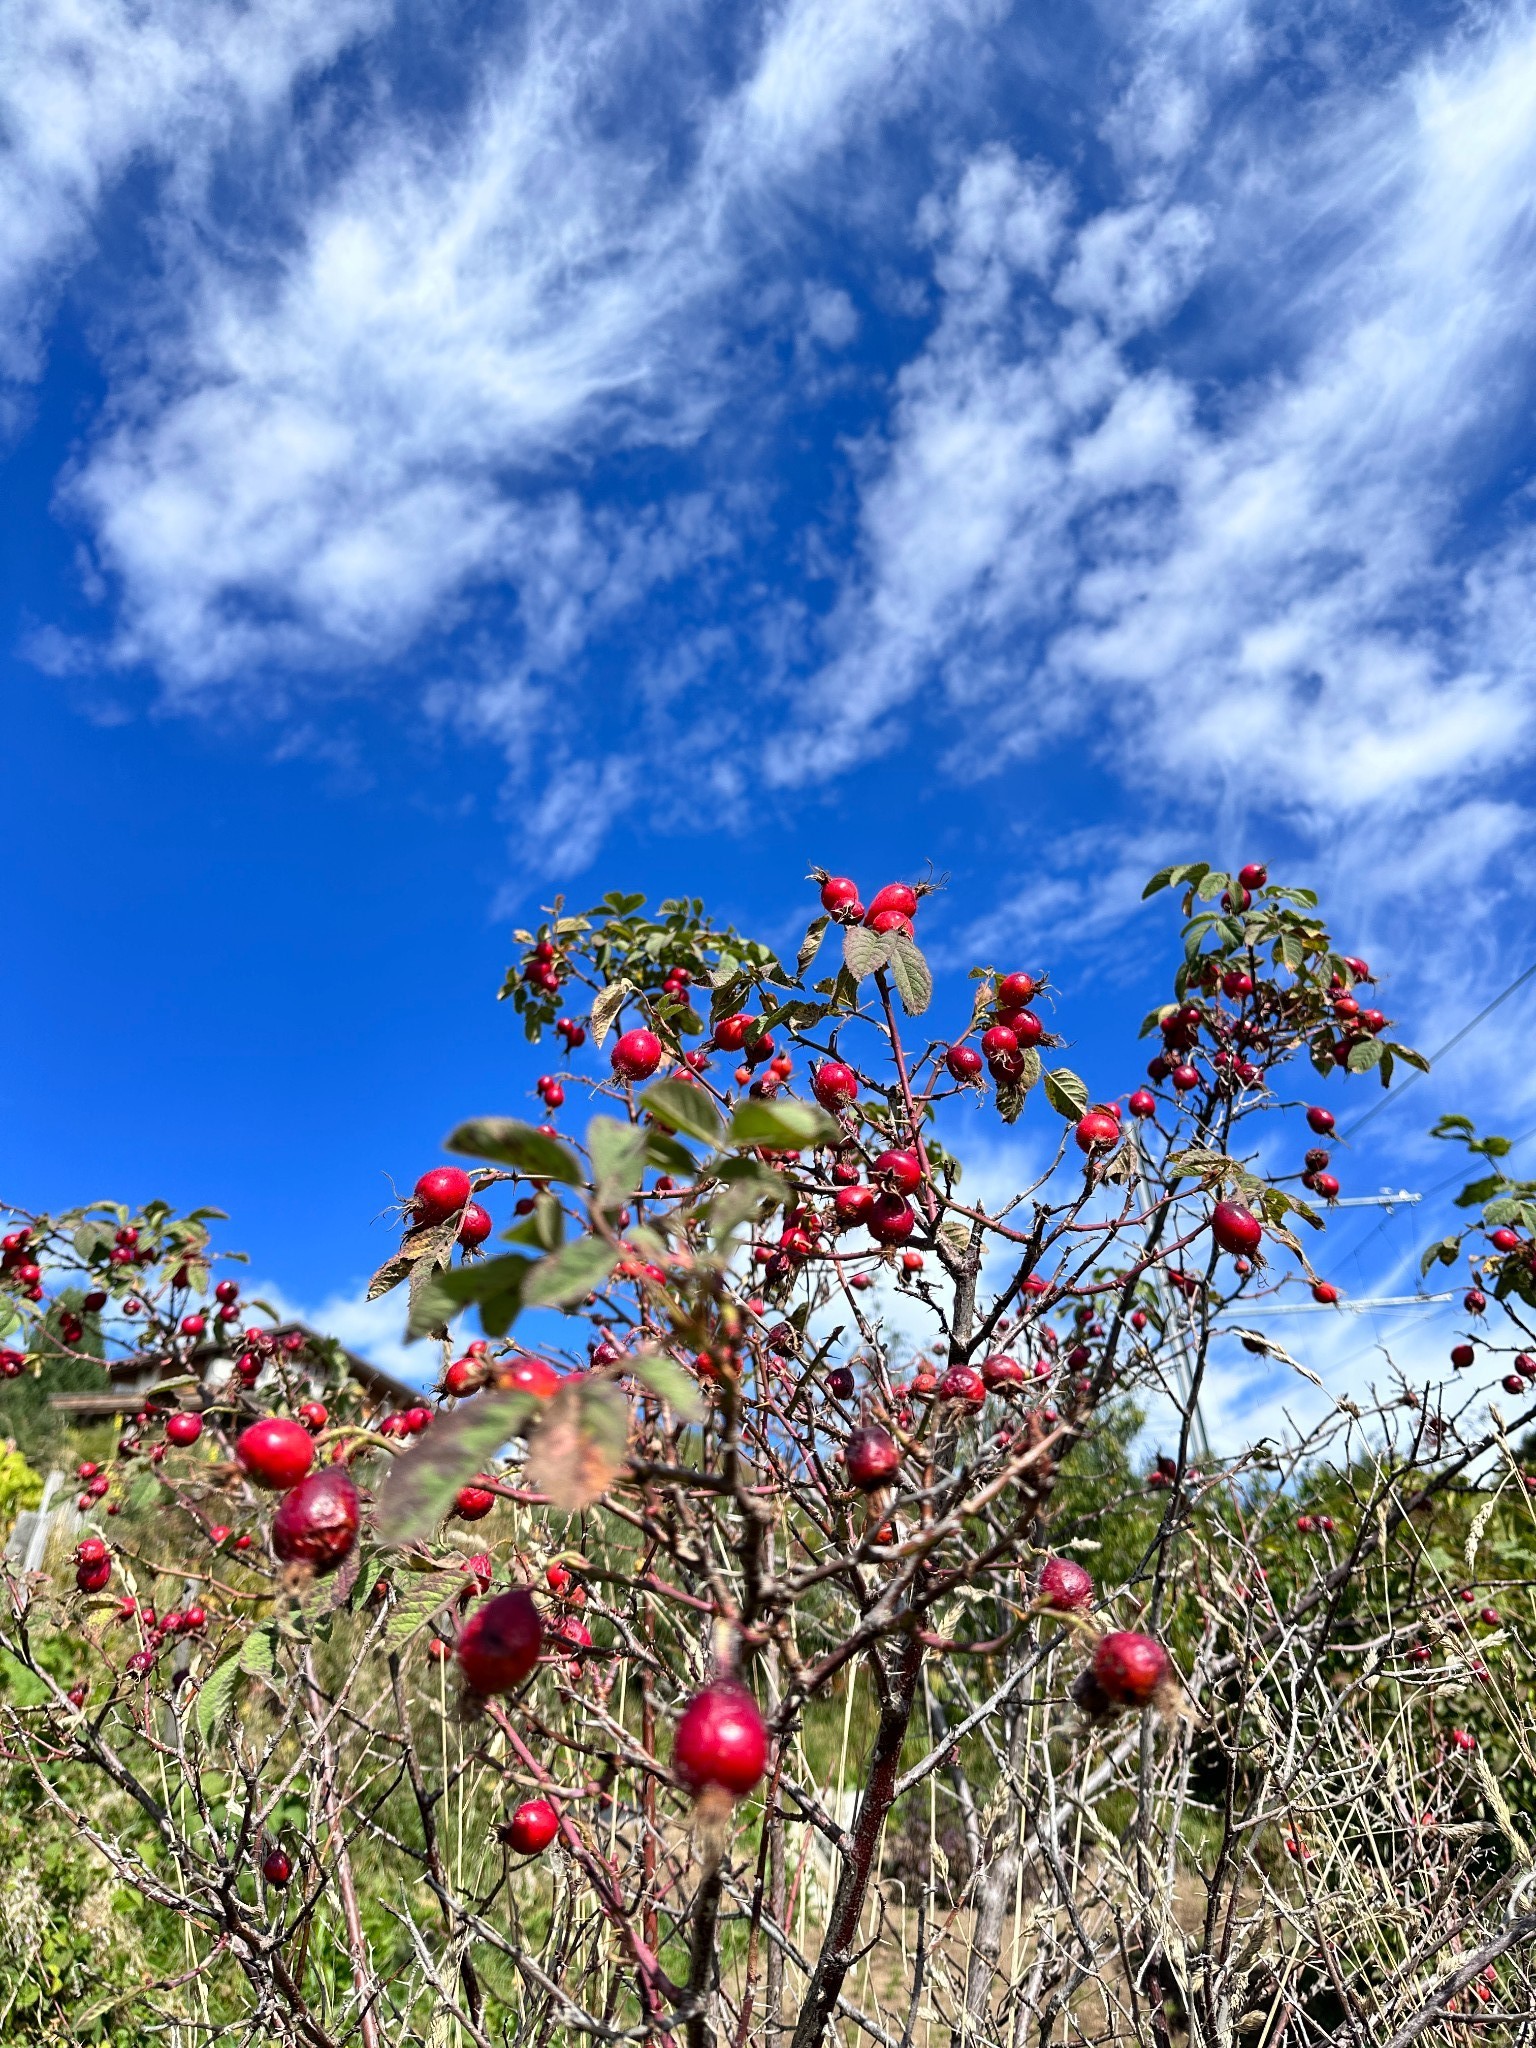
{"type": "Point", "coordinates": [460, 452]}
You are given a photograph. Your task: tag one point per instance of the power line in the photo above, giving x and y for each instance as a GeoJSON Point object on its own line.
{"type": "Point", "coordinates": [1449, 1046]}
{"type": "Point", "coordinates": [1353, 1308]}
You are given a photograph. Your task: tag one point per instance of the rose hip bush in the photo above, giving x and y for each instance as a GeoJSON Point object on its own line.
{"type": "Point", "coordinates": [782, 1636]}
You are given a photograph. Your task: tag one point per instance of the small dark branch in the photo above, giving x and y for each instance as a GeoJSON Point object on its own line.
{"type": "Point", "coordinates": [706, 1917]}
{"type": "Point", "coordinates": [836, 1958]}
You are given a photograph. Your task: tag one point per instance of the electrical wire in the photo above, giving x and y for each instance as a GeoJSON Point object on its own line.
{"type": "Point", "coordinates": [1449, 1046]}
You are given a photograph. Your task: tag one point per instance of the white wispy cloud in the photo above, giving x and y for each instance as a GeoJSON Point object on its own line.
{"type": "Point", "coordinates": [342, 442]}
{"type": "Point", "coordinates": [1194, 458]}
{"type": "Point", "coordinates": [90, 88]}
{"type": "Point", "coordinates": [1273, 592]}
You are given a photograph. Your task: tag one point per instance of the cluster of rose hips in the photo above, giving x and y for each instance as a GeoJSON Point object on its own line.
{"type": "Point", "coordinates": [1356, 1025]}
{"type": "Point", "coordinates": [1127, 1670]}
{"type": "Point", "coordinates": [259, 1347]}
{"type": "Point", "coordinates": [157, 1633]}
{"type": "Point", "coordinates": [891, 909]}
{"type": "Point", "coordinates": [1015, 1030]}
{"type": "Point", "coordinates": [720, 1746]}
{"type": "Point", "coordinates": [734, 1034]}
{"type": "Point", "coordinates": [317, 1520]}
{"type": "Point", "coordinates": [445, 1192]}
{"type": "Point", "coordinates": [19, 1266]}
{"type": "Point", "coordinates": [1519, 1381]}
{"type": "Point", "coordinates": [1240, 1042]}
{"type": "Point", "coordinates": [407, 1422]}
{"type": "Point", "coordinates": [542, 968]}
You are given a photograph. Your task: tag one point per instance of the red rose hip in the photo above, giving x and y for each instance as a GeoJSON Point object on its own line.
{"type": "Point", "coordinates": [963, 1385]}
{"type": "Point", "coordinates": [889, 1219]}
{"type": "Point", "coordinates": [840, 896]}
{"type": "Point", "coordinates": [900, 1169]}
{"type": "Point", "coordinates": [533, 1826]}
{"type": "Point", "coordinates": [1065, 1585]}
{"type": "Point", "coordinates": [275, 1452]}
{"type": "Point", "coordinates": [895, 898]}
{"type": "Point", "coordinates": [316, 1524]}
{"type": "Point", "coordinates": [500, 1643]}
{"type": "Point", "coordinates": [721, 1743]}
{"type": "Point", "coordinates": [1002, 1371]}
{"type": "Point", "coordinates": [834, 1085]}
{"type": "Point", "coordinates": [1236, 1229]}
{"type": "Point", "coordinates": [475, 1225]}
{"type": "Point", "coordinates": [1130, 1668]}
{"type": "Point", "coordinates": [636, 1056]}
{"type": "Point", "coordinates": [870, 1457]}
{"type": "Point", "coordinates": [439, 1194]}
{"type": "Point", "coordinates": [1097, 1131]}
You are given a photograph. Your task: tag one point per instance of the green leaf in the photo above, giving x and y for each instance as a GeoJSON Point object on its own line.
{"type": "Point", "coordinates": [258, 1658]}
{"type": "Point", "coordinates": [497, 1284]}
{"type": "Point", "coordinates": [390, 1274]}
{"type": "Point", "coordinates": [1408, 1056]}
{"type": "Point", "coordinates": [731, 990]}
{"type": "Point", "coordinates": [1210, 885]}
{"type": "Point", "coordinates": [1198, 1162]}
{"type": "Point", "coordinates": [543, 1228]}
{"type": "Point", "coordinates": [216, 1694]}
{"type": "Point", "coordinates": [956, 1235]}
{"type": "Point", "coordinates": [683, 1107]}
{"type": "Point", "coordinates": [1066, 1094]}
{"type": "Point", "coordinates": [573, 1272]}
{"type": "Point", "coordinates": [911, 974]}
{"type": "Point", "coordinates": [1161, 880]}
{"type": "Point", "coordinates": [618, 1160]}
{"type": "Point", "coordinates": [608, 1005]}
{"type": "Point", "coordinates": [788, 1126]}
{"type": "Point", "coordinates": [579, 1447]}
{"type": "Point", "coordinates": [416, 1606]}
{"type": "Point", "coordinates": [419, 1487]}
{"type": "Point", "coordinates": [511, 1143]}
{"type": "Point", "coordinates": [92, 1239]}
{"type": "Point", "coordinates": [1445, 1253]}
{"type": "Point", "coordinates": [1364, 1056]}
{"type": "Point", "coordinates": [370, 1571]}
{"type": "Point", "coordinates": [742, 1197]}
{"type": "Point", "coordinates": [810, 945]}
{"type": "Point", "coordinates": [864, 950]}
{"type": "Point", "coordinates": [667, 1380]}
{"type": "Point", "coordinates": [667, 1154]}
